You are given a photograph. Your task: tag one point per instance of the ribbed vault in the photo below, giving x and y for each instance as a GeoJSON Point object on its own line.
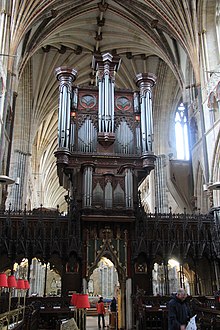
{"type": "Point", "coordinates": [156, 36]}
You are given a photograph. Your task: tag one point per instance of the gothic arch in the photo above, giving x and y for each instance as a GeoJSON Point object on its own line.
{"type": "Point", "coordinates": [108, 252]}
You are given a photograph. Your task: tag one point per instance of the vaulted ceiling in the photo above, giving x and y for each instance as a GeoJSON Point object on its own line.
{"type": "Point", "coordinates": [151, 35]}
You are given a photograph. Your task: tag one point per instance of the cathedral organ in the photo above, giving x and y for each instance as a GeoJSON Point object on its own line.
{"type": "Point", "coordinates": [105, 138]}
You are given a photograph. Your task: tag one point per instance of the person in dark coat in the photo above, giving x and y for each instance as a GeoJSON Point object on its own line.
{"type": "Point", "coordinates": [113, 305]}
{"type": "Point", "coordinates": [178, 311]}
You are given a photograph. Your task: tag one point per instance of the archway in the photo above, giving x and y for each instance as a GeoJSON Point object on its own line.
{"type": "Point", "coordinates": [44, 278]}
{"type": "Point", "coordinates": [178, 276]}
{"type": "Point", "coordinates": [104, 280]}
{"type": "Point", "coordinates": [107, 265]}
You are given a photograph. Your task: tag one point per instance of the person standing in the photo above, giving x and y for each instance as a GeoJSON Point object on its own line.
{"type": "Point", "coordinates": [113, 305]}
{"type": "Point", "coordinates": [113, 314]}
{"type": "Point", "coordinates": [178, 311]}
{"type": "Point", "coordinates": [101, 312]}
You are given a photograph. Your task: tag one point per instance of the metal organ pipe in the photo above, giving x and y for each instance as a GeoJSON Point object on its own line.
{"type": "Point", "coordinates": [138, 140]}
{"type": "Point", "coordinates": [149, 121]}
{"type": "Point", "coordinates": [100, 106]}
{"type": "Point", "coordinates": [87, 136]}
{"type": "Point", "coordinates": [106, 65]}
{"type": "Point", "coordinates": [112, 105]}
{"type": "Point", "coordinates": [72, 136]}
{"type": "Point", "coordinates": [145, 81]}
{"type": "Point", "coordinates": [75, 98]}
{"type": "Point", "coordinates": [87, 184]}
{"type": "Point", "coordinates": [103, 107]}
{"type": "Point", "coordinates": [143, 125]}
{"type": "Point", "coordinates": [129, 188]}
{"type": "Point", "coordinates": [136, 102]}
{"type": "Point", "coordinates": [66, 77]}
{"type": "Point", "coordinates": [106, 97]}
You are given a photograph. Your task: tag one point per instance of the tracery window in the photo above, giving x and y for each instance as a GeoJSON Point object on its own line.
{"type": "Point", "coordinates": [213, 108]}
{"type": "Point", "coordinates": [181, 130]}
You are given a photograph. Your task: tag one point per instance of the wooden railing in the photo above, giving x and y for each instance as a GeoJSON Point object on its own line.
{"type": "Point", "coordinates": [13, 318]}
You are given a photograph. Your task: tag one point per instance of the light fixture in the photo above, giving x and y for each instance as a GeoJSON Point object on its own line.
{"type": "Point", "coordinates": [74, 299]}
{"type": "Point", "coordinates": [3, 280]}
{"type": "Point", "coordinates": [12, 283]}
{"type": "Point", "coordinates": [26, 285]}
{"type": "Point", "coordinates": [82, 301]}
{"type": "Point", "coordinates": [20, 284]}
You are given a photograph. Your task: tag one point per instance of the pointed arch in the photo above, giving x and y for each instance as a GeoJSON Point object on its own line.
{"type": "Point", "coordinates": [108, 252]}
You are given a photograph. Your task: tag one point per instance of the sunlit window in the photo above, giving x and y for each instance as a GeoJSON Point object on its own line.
{"type": "Point", "coordinates": [181, 130]}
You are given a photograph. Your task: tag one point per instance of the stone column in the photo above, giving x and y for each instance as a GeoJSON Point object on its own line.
{"type": "Point", "coordinates": [66, 77]}
{"type": "Point", "coordinates": [161, 185]}
{"type": "Point", "coordinates": [22, 141]}
{"type": "Point", "coordinates": [166, 277]}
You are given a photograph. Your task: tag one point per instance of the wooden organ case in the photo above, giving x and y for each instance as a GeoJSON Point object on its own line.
{"type": "Point", "coordinates": [104, 151]}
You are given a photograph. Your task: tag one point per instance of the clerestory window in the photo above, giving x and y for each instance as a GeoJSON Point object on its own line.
{"type": "Point", "coordinates": [181, 130]}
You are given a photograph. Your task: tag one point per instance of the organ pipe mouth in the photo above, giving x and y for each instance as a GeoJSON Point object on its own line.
{"type": "Point", "coordinates": [214, 186]}
{"type": "Point", "coordinates": [4, 179]}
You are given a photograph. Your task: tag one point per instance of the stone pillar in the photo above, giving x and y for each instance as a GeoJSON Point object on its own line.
{"type": "Point", "coordinates": [66, 77]}
{"type": "Point", "coordinates": [22, 141]}
{"type": "Point", "coordinates": [145, 82]}
{"type": "Point", "coordinates": [5, 29]}
{"type": "Point", "coordinates": [166, 277]}
{"type": "Point", "coordinates": [161, 184]}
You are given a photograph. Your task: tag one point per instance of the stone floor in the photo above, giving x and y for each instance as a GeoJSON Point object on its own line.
{"type": "Point", "coordinates": [92, 322]}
